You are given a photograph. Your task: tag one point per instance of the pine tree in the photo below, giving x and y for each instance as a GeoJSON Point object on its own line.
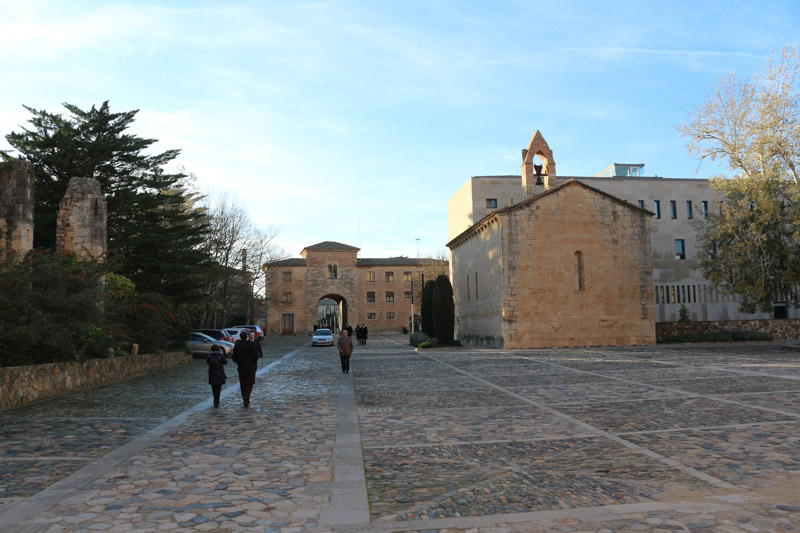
{"type": "Point", "coordinates": [443, 310]}
{"type": "Point", "coordinates": [426, 311]}
{"type": "Point", "coordinates": [154, 227]}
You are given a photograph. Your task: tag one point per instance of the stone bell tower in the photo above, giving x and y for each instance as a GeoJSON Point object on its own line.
{"type": "Point", "coordinates": [16, 207]}
{"type": "Point", "coordinates": [543, 175]}
{"type": "Point", "coordinates": [82, 220]}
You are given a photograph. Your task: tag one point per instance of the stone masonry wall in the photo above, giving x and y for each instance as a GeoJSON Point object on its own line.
{"type": "Point", "coordinates": [82, 219]}
{"type": "Point", "coordinates": [16, 207]}
{"type": "Point", "coordinates": [778, 329]}
{"type": "Point", "coordinates": [478, 287]}
{"type": "Point", "coordinates": [320, 285]}
{"type": "Point", "coordinates": [544, 307]}
{"type": "Point", "coordinates": [24, 384]}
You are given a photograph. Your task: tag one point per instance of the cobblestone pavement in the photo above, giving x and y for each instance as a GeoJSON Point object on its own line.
{"type": "Point", "coordinates": [665, 438]}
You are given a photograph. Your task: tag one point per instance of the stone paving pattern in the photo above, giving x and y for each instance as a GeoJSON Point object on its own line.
{"type": "Point", "coordinates": [663, 438]}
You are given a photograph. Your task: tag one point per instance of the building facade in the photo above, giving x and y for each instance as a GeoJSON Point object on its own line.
{"type": "Point", "coordinates": [377, 292]}
{"type": "Point", "coordinates": [678, 206]}
{"type": "Point", "coordinates": [571, 266]}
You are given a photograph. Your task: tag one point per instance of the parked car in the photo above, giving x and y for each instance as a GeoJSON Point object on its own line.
{"type": "Point", "coordinates": [219, 334]}
{"type": "Point", "coordinates": [234, 333]}
{"type": "Point", "coordinates": [200, 344]}
{"type": "Point", "coordinates": [322, 337]}
{"type": "Point", "coordinates": [254, 327]}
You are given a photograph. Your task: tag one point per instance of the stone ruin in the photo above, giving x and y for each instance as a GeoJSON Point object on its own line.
{"type": "Point", "coordinates": [16, 207]}
{"type": "Point", "coordinates": [81, 223]}
{"type": "Point", "coordinates": [81, 226]}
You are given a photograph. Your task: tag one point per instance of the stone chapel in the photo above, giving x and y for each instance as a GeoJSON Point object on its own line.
{"type": "Point", "coordinates": [567, 265]}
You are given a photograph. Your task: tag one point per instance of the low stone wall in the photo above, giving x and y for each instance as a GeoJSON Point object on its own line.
{"type": "Point", "coordinates": [24, 384]}
{"type": "Point", "coordinates": [788, 328]}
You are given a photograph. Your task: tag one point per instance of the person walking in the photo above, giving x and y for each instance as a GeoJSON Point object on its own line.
{"type": "Point", "coordinates": [216, 371]}
{"type": "Point", "coordinates": [345, 347]}
{"type": "Point", "coordinates": [256, 343]}
{"type": "Point", "coordinates": [245, 355]}
{"type": "Point", "coordinates": [364, 334]}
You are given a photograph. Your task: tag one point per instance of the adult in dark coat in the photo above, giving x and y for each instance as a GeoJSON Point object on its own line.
{"type": "Point", "coordinates": [216, 371]}
{"type": "Point", "coordinates": [245, 355]}
{"type": "Point", "coordinates": [364, 333]}
{"type": "Point", "coordinates": [257, 344]}
{"type": "Point", "coordinates": [345, 347]}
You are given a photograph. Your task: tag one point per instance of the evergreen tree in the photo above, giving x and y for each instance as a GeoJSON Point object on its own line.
{"type": "Point", "coordinates": [154, 228]}
{"type": "Point", "coordinates": [443, 310]}
{"type": "Point", "coordinates": [426, 311]}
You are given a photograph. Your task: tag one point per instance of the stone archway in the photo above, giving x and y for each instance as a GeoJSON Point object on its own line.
{"type": "Point", "coordinates": [341, 317]}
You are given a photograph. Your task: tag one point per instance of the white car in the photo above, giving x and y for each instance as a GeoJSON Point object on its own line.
{"type": "Point", "coordinates": [255, 327]}
{"type": "Point", "coordinates": [322, 337]}
{"type": "Point", "coordinates": [234, 333]}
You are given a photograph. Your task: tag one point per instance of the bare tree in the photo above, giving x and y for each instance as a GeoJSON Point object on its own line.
{"type": "Point", "coordinates": [237, 249]}
{"type": "Point", "coordinates": [752, 126]}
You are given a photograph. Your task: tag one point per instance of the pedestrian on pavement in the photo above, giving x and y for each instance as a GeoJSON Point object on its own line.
{"type": "Point", "coordinates": [358, 334]}
{"type": "Point", "coordinates": [257, 343]}
{"type": "Point", "coordinates": [216, 371]}
{"type": "Point", "coordinates": [345, 346]}
{"type": "Point", "coordinates": [364, 334]}
{"type": "Point", "coordinates": [245, 355]}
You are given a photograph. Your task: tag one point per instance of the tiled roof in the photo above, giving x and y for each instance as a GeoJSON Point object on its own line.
{"type": "Point", "coordinates": [399, 261]}
{"type": "Point", "coordinates": [331, 245]}
{"type": "Point", "coordinates": [293, 262]}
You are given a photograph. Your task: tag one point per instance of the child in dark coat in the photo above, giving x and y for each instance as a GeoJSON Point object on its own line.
{"type": "Point", "coordinates": [216, 371]}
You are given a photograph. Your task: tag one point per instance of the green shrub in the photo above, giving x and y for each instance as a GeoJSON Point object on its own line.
{"type": "Point", "coordinates": [417, 337]}
{"type": "Point", "coordinates": [424, 344]}
{"type": "Point", "coordinates": [683, 315]}
{"type": "Point", "coordinates": [50, 309]}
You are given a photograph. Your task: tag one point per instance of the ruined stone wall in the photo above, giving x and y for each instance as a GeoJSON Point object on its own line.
{"type": "Point", "coordinates": [16, 207]}
{"type": "Point", "coordinates": [24, 384]}
{"type": "Point", "coordinates": [82, 219]}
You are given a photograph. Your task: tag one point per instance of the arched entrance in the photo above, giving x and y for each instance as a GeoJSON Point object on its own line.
{"type": "Point", "coordinates": [332, 311]}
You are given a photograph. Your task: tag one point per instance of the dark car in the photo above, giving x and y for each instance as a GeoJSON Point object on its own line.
{"type": "Point", "coordinates": [219, 334]}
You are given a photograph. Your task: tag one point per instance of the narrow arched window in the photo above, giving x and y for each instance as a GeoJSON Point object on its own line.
{"type": "Point", "coordinates": [580, 282]}
{"type": "Point", "coordinates": [330, 271]}
{"type": "Point", "coordinates": [335, 272]}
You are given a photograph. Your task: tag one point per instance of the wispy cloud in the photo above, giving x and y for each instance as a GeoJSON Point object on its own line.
{"type": "Point", "coordinates": [616, 53]}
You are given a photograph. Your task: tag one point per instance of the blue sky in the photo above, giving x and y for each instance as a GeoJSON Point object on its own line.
{"type": "Point", "coordinates": [326, 117]}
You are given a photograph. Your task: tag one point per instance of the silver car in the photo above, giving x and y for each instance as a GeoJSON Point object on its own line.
{"type": "Point", "coordinates": [322, 337]}
{"type": "Point", "coordinates": [200, 345]}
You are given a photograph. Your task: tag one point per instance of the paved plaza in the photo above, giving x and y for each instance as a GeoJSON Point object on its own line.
{"type": "Point", "coordinates": [663, 438]}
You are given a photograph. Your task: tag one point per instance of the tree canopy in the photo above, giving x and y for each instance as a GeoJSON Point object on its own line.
{"type": "Point", "coordinates": [154, 225]}
{"type": "Point", "coordinates": [750, 125]}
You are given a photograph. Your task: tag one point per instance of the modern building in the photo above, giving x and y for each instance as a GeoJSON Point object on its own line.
{"type": "Point", "coordinates": [378, 292]}
{"type": "Point", "coordinates": [677, 206]}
